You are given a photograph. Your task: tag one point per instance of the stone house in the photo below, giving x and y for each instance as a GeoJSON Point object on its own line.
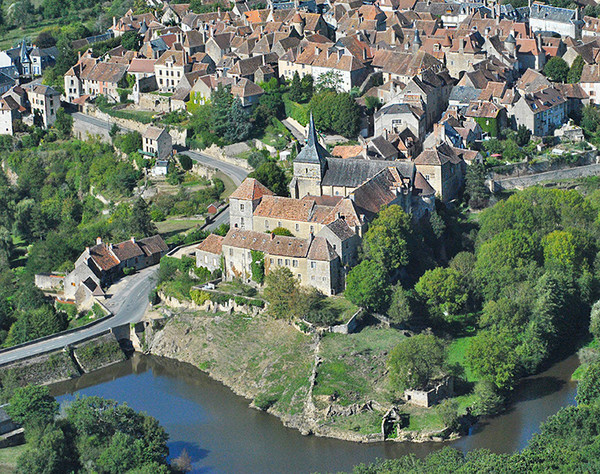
{"type": "Point", "coordinates": [590, 82]}
{"type": "Point", "coordinates": [91, 77]}
{"type": "Point", "coordinates": [541, 112]}
{"type": "Point", "coordinates": [170, 68]}
{"type": "Point", "coordinates": [395, 118]}
{"type": "Point", "coordinates": [243, 202]}
{"type": "Point", "coordinates": [157, 142]}
{"type": "Point", "coordinates": [208, 253]}
{"type": "Point", "coordinates": [42, 59]}
{"type": "Point", "coordinates": [444, 169]}
{"type": "Point", "coordinates": [45, 102]}
{"type": "Point", "coordinates": [217, 46]}
{"type": "Point", "coordinates": [9, 112]}
{"type": "Point", "coordinates": [563, 21]}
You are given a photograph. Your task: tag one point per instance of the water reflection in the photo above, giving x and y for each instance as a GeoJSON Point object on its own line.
{"type": "Point", "coordinates": [222, 434]}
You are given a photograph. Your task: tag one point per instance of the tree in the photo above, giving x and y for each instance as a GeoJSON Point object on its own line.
{"type": "Point", "coordinates": [416, 361]}
{"type": "Point", "coordinates": [282, 231]}
{"type": "Point", "coordinates": [366, 286]}
{"type": "Point", "coordinates": [387, 240]}
{"type": "Point", "coordinates": [141, 221]}
{"type": "Point", "coordinates": [575, 70]}
{"type": "Point", "coordinates": [556, 69]}
{"type": "Point", "coordinates": [296, 88]}
{"type": "Point", "coordinates": [32, 405]}
{"type": "Point", "coordinates": [523, 135]}
{"type": "Point", "coordinates": [114, 131]}
{"type": "Point", "coordinates": [372, 103]}
{"type": "Point", "coordinates": [128, 143]}
{"type": "Point", "coordinates": [186, 162]}
{"type": "Point", "coordinates": [280, 291]}
{"type": "Point", "coordinates": [63, 123]}
{"type": "Point", "coordinates": [307, 84]}
{"type": "Point", "coordinates": [595, 321]}
{"type": "Point", "coordinates": [400, 310]}
{"type": "Point", "coordinates": [221, 102]}
{"type": "Point", "coordinates": [491, 355]}
{"type": "Point", "coordinates": [442, 290]}
{"type": "Point", "coordinates": [45, 39]}
{"type": "Point", "coordinates": [273, 177]}
{"type": "Point", "coordinates": [238, 122]}
{"type": "Point", "coordinates": [487, 400]}
{"type": "Point", "coordinates": [329, 80]}
{"type": "Point", "coordinates": [588, 388]}
{"type": "Point", "coordinates": [257, 266]}
{"type": "Point", "coordinates": [131, 41]}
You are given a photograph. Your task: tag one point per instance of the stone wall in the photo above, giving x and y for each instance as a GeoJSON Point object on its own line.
{"type": "Point", "coordinates": [523, 182]}
{"type": "Point", "coordinates": [178, 136]}
{"type": "Point", "coordinates": [157, 103]}
{"type": "Point", "coordinates": [220, 154]}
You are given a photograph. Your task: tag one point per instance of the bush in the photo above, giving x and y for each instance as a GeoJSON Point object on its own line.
{"type": "Point", "coordinates": [203, 274]}
{"type": "Point", "coordinates": [186, 162]}
{"type": "Point", "coordinates": [200, 297]}
{"type": "Point", "coordinates": [448, 411]}
{"type": "Point", "coordinates": [128, 271]}
{"type": "Point", "coordinates": [487, 400]}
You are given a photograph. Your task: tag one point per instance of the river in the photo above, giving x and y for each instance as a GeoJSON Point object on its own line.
{"type": "Point", "coordinates": [222, 434]}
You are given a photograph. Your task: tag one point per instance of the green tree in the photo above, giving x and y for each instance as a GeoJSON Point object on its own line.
{"type": "Point", "coordinates": [487, 400]}
{"type": "Point", "coordinates": [296, 88]}
{"type": "Point", "coordinates": [491, 355]}
{"type": "Point", "coordinates": [307, 84]}
{"type": "Point", "coordinates": [282, 231]}
{"type": "Point", "coordinates": [442, 290]}
{"type": "Point", "coordinates": [523, 135]}
{"type": "Point", "coordinates": [258, 266]}
{"type": "Point", "coordinates": [575, 70]}
{"type": "Point", "coordinates": [273, 177]}
{"type": "Point", "coordinates": [372, 103]}
{"type": "Point", "coordinates": [387, 240]}
{"type": "Point", "coordinates": [416, 361]}
{"type": "Point", "coordinates": [366, 286]}
{"type": "Point", "coordinates": [595, 321]}
{"type": "Point", "coordinates": [131, 41]}
{"type": "Point", "coordinates": [281, 291]}
{"type": "Point", "coordinates": [400, 310]}
{"type": "Point", "coordinates": [329, 80]}
{"type": "Point", "coordinates": [588, 388]}
{"type": "Point", "coordinates": [36, 323]}
{"type": "Point", "coordinates": [221, 102]}
{"type": "Point", "coordinates": [186, 162]}
{"type": "Point", "coordinates": [238, 122]}
{"type": "Point", "coordinates": [63, 124]}
{"type": "Point", "coordinates": [141, 221]}
{"type": "Point", "coordinates": [32, 405]}
{"type": "Point", "coordinates": [556, 69]}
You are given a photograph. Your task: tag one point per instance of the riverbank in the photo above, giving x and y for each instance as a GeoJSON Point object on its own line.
{"type": "Point", "coordinates": [331, 386]}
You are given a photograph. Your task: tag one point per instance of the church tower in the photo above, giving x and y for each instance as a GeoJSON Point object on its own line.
{"type": "Point", "coordinates": [309, 166]}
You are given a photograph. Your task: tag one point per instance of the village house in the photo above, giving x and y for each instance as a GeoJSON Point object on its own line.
{"type": "Point", "coordinates": [541, 112]}
{"type": "Point", "coordinates": [170, 68]}
{"type": "Point", "coordinates": [157, 142]}
{"type": "Point", "coordinates": [444, 169]}
{"type": "Point", "coordinates": [45, 102]}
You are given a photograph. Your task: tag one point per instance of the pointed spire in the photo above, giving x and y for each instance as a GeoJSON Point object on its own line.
{"type": "Point", "coordinates": [23, 53]}
{"type": "Point", "coordinates": [417, 39]}
{"type": "Point", "coordinates": [312, 132]}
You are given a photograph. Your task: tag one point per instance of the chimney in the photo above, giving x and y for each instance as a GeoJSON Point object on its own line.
{"type": "Point", "coordinates": [78, 56]}
{"type": "Point", "coordinates": [98, 240]}
{"type": "Point", "coordinates": [219, 11]}
{"type": "Point", "coordinates": [114, 21]}
{"type": "Point", "coordinates": [317, 51]}
{"type": "Point", "coordinates": [133, 240]}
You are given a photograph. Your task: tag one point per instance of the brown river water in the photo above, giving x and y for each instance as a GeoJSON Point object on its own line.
{"type": "Point", "coordinates": [223, 435]}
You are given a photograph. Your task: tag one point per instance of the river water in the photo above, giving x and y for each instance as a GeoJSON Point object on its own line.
{"type": "Point", "coordinates": [223, 435]}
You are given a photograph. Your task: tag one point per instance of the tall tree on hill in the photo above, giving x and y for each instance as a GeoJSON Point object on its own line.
{"type": "Point", "coordinates": [238, 126]}
{"type": "Point", "coordinates": [296, 88]}
{"type": "Point", "coordinates": [575, 70]}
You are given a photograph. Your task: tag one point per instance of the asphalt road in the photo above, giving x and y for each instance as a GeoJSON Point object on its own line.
{"type": "Point", "coordinates": [128, 302]}
{"type": "Point", "coordinates": [129, 298]}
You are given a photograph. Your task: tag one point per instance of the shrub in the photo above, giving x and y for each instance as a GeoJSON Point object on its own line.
{"type": "Point", "coordinates": [487, 400]}
{"type": "Point", "coordinates": [200, 297]}
{"type": "Point", "coordinates": [265, 401]}
{"type": "Point", "coordinates": [128, 271]}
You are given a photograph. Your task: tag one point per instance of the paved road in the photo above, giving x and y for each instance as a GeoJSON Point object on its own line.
{"type": "Point", "coordinates": [129, 298]}
{"type": "Point", "coordinates": [129, 301]}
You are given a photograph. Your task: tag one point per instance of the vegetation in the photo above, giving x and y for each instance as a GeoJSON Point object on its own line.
{"type": "Point", "coordinates": [95, 434]}
{"type": "Point", "coordinates": [557, 69]}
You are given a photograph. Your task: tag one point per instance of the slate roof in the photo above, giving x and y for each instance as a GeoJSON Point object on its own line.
{"type": "Point", "coordinates": [212, 244]}
{"type": "Point", "coordinates": [353, 173]}
{"type": "Point", "coordinates": [312, 152]}
{"type": "Point", "coordinates": [439, 155]}
{"type": "Point", "coordinates": [550, 13]}
{"type": "Point", "coordinates": [464, 94]}
{"type": "Point", "coordinates": [341, 229]}
{"type": "Point", "coordinates": [379, 191]}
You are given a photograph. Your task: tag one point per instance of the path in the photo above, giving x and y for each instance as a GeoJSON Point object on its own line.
{"type": "Point", "coordinates": [522, 182]}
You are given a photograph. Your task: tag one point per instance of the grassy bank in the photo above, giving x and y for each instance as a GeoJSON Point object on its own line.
{"type": "Point", "coordinates": [8, 458]}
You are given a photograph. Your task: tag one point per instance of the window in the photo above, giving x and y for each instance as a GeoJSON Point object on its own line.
{"type": "Point", "coordinates": [279, 261]}
{"type": "Point", "coordinates": [427, 177]}
{"type": "Point", "coordinates": [271, 261]}
{"type": "Point", "coordinates": [266, 224]}
{"type": "Point", "coordinates": [294, 263]}
{"type": "Point", "coordinates": [297, 227]}
{"type": "Point", "coordinates": [231, 252]}
{"type": "Point", "coordinates": [299, 276]}
{"type": "Point", "coordinates": [313, 264]}
{"type": "Point", "coordinates": [241, 207]}
{"type": "Point", "coordinates": [312, 228]}
{"type": "Point", "coordinates": [287, 262]}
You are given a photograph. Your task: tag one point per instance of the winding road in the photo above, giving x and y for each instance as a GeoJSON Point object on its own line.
{"type": "Point", "coordinates": [128, 297]}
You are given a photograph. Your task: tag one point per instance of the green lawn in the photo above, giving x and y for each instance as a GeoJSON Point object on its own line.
{"type": "Point", "coordinates": [342, 307]}
{"type": "Point", "coordinates": [456, 355]}
{"type": "Point", "coordinates": [175, 226]}
{"type": "Point", "coordinates": [9, 456]}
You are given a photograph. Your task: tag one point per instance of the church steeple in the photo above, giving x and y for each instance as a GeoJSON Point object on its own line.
{"type": "Point", "coordinates": [312, 152]}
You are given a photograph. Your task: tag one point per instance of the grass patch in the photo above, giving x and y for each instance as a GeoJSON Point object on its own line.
{"type": "Point", "coordinates": [299, 112]}
{"type": "Point", "coordinates": [354, 365]}
{"type": "Point", "coordinates": [423, 419]}
{"type": "Point", "coordinates": [9, 456]}
{"type": "Point", "coordinates": [366, 423]}
{"type": "Point", "coordinates": [99, 353]}
{"type": "Point", "coordinates": [176, 226]}
{"type": "Point", "coordinates": [456, 355]}
{"type": "Point", "coordinates": [230, 186]}
{"type": "Point", "coordinates": [343, 308]}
